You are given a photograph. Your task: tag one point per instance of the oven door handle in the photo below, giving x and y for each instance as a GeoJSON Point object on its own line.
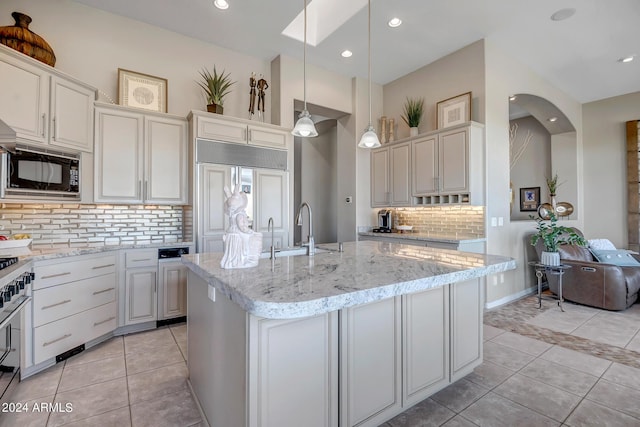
{"type": "Point", "coordinates": [10, 317]}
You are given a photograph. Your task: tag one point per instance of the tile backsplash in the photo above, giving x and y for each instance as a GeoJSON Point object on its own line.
{"type": "Point", "coordinates": [94, 225]}
{"type": "Point", "coordinates": [459, 219]}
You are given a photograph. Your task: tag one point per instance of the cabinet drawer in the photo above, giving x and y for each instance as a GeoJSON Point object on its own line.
{"type": "Point", "coordinates": [65, 272]}
{"type": "Point", "coordinates": [56, 302]}
{"type": "Point", "coordinates": [141, 258]}
{"type": "Point", "coordinates": [57, 337]}
{"type": "Point", "coordinates": [221, 131]}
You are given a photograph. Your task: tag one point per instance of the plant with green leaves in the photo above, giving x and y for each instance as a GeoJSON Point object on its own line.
{"type": "Point", "coordinates": [552, 184]}
{"type": "Point", "coordinates": [215, 86]}
{"type": "Point", "coordinates": [412, 113]}
{"type": "Point", "coordinates": [553, 235]}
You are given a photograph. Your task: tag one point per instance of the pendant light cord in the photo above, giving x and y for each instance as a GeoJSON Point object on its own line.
{"type": "Point", "coordinates": [369, 63]}
{"type": "Point", "coordinates": [304, 66]}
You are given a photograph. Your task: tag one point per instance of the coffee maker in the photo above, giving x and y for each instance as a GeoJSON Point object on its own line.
{"type": "Point", "coordinates": [385, 221]}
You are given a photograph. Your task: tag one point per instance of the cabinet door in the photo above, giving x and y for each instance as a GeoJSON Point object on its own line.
{"type": "Point", "coordinates": [425, 344]}
{"type": "Point", "coordinates": [221, 130]}
{"type": "Point", "coordinates": [271, 138]}
{"type": "Point", "coordinates": [272, 201]}
{"type": "Point", "coordinates": [212, 221]}
{"type": "Point", "coordinates": [400, 162]}
{"type": "Point", "coordinates": [71, 115]}
{"type": "Point", "coordinates": [140, 291]}
{"type": "Point", "coordinates": [118, 156]}
{"type": "Point", "coordinates": [172, 298]}
{"type": "Point", "coordinates": [165, 161]}
{"type": "Point", "coordinates": [24, 90]}
{"type": "Point", "coordinates": [454, 164]}
{"type": "Point", "coordinates": [424, 166]}
{"type": "Point", "coordinates": [380, 177]}
{"type": "Point", "coordinates": [371, 363]}
{"type": "Point", "coordinates": [466, 327]}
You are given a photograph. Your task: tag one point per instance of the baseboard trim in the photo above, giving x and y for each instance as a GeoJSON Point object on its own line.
{"type": "Point", "coordinates": [511, 298]}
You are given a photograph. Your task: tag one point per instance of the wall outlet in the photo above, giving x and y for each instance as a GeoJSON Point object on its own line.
{"type": "Point", "coordinates": [500, 221]}
{"type": "Point", "coordinates": [211, 293]}
{"type": "Point", "coordinates": [349, 199]}
{"type": "Point", "coordinates": [494, 221]}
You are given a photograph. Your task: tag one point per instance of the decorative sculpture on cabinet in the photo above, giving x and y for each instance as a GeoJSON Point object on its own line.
{"type": "Point", "coordinates": [242, 245]}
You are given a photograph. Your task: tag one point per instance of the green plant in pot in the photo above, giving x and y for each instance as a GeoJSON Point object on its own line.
{"type": "Point", "coordinates": [412, 114]}
{"type": "Point", "coordinates": [552, 236]}
{"type": "Point", "coordinates": [216, 87]}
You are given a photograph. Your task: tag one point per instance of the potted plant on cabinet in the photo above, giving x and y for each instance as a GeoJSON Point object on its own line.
{"type": "Point", "coordinates": [412, 114]}
{"type": "Point", "coordinates": [552, 236]}
{"type": "Point", "coordinates": [216, 87]}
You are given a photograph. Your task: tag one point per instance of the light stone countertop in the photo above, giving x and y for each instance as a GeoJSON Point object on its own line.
{"type": "Point", "coordinates": [428, 237]}
{"type": "Point", "coordinates": [367, 271]}
{"type": "Point", "coordinates": [37, 252]}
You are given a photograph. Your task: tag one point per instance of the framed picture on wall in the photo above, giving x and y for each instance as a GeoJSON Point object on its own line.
{"type": "Point", "coordinates": [453, 111]}
{"type": "Point", "coordinates": [142, 91]}
{"type": "Point", "coordinates": [529, 199]}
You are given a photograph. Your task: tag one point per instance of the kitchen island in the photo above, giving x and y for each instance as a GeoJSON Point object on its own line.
{"type": "Point", "coordinates": [342, 338]}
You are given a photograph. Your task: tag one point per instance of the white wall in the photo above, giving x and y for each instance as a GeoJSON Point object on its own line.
{"type": "Point", "coordinates": [605, 165]}
{"type": "Point", "coordinates": [91, 45]}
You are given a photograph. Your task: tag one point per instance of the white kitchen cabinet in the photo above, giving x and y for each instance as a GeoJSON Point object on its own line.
{"type": "Point", "coordinates": [425, 344]}
{"type": "Point", "coordinates": [391, 176]}
{"type": "Point", "coordinates": [43, 105]}
{"type": "Point", "coordinates": [140, 158]}
{"type": "Point", "coordinates": [172, 289]}
{"type": "Point", "coordinates": [229, 129]}
{"type": "Point", "coordinates": [467, 301]}
{"type": "Point", "coordinates": [140, 285]}
{"type": "Point", "coordinates": [261, 362]}
{"type": "Point", "coordinates": [272, 201]}
{"type": "Point", "coordinates": [74, 302]}
{"type": "Point", "coordinates": [371, 375]}
{"type": "Point", "coordinates": [424, 162]}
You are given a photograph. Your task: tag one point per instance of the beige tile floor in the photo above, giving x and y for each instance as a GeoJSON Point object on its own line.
{"type": "Point", "coordinates": [541, 368]}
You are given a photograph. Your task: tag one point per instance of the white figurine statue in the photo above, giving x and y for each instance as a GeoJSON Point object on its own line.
{"type": "Point", "coordinates": [242, 245]}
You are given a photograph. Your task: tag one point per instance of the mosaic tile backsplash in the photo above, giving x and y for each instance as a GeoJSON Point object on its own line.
{"type": "Point", "coordinates": [443, 219]}
{"type": "Point", "coordinates": [93, 225]}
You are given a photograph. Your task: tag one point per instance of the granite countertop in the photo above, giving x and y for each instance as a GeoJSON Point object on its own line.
{"type": "Point", "coordinates": [426, 236]}
{"type": "Point", "coordinates": [367, 271]}
{"type": "Point", "coordinates": [36, 252]}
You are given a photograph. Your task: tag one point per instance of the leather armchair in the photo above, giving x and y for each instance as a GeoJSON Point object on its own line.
{"type": "Point", "coordinates": [593, 283]}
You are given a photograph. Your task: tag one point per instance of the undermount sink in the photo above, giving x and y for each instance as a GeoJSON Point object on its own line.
{"type": "Point", "coordinates": [292, 251]}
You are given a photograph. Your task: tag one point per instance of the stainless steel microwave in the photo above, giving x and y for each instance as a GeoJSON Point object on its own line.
{"type": "Point", "coordinates": [32, 173]}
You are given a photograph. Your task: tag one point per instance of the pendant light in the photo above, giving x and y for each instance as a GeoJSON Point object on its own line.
{"type": "Point", "coordinates": [304, 126]}
{"type": "Point", "coordinates": [369, 137]}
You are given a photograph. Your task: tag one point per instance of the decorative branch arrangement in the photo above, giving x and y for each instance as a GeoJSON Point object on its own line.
{"type": "Point", "coordinates": [515, 156]}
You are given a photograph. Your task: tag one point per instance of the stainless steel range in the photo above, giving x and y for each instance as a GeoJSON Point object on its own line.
{"type": "Point", "coordinates": [15, 292]}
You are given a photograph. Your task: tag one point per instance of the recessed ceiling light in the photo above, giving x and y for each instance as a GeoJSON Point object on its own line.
{"type": "Point", "coordinates": [395, 22]}
{"type": "Point", "coordinates": [221, 4]}
{"type": "Point", "coordinates": [513, 98]}
{"type": "Point", "coordinates": [346, 53]}
{"type": "Point", "coordinates": [553, 119]}
{"type": "Point", "coordinates": [627, 58]}
{"type": "Point", "coordinates": [563, 14]}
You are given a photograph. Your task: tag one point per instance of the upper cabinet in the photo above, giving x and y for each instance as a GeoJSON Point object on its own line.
{"type": "Point", "coordinates": [44, 106]}
{"type": "Point", "coordinates": [140, 157]}
{"type": "Point", "coordinates": [229, 129]}
{"type": "Point", "coordinates": [441, 167]}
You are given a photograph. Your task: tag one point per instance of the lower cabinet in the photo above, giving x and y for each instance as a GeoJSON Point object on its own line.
{"type": "Point", "coordinates": [140, 285]}
{"type": "Point", "coordinates": [467, 302]}
{"type": "Point", "coordinates": [172, 289]}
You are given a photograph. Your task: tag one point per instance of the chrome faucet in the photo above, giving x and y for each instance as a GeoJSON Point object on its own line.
{"type": "Point", "coordinates": [272, 249]}
{"type": "Point", "coordinates": [311, 246]}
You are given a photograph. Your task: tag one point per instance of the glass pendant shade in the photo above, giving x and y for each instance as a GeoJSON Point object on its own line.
{"type": "Point", "coordinates": [304, 126]}
{"type": "Point", "coordinates": [369, 138]}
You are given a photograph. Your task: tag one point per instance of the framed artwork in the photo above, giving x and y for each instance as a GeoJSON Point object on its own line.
{"type": "Point", "coordinates": [529, 199]}
{"type": "Point", "coordinates": [453, 111]}
{"type": "Point", "coordinates": [142, 91]}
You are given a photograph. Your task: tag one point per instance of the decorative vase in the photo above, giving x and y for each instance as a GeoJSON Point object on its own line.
{"type": "Point", "coordinates": [554, 205]}
{"type": "Point", "coordinates": [215, 108]}
{"type": "Point", "coordinates": [392, 131]}
{"type": "Point", "coordinates": [383, 129]}
{"type": "Point", "coordinates": [413, 131]}
{"type": "Point", "coordinates": [20, 38]}
{"type": "Point", "coordinates": [550, 258]}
